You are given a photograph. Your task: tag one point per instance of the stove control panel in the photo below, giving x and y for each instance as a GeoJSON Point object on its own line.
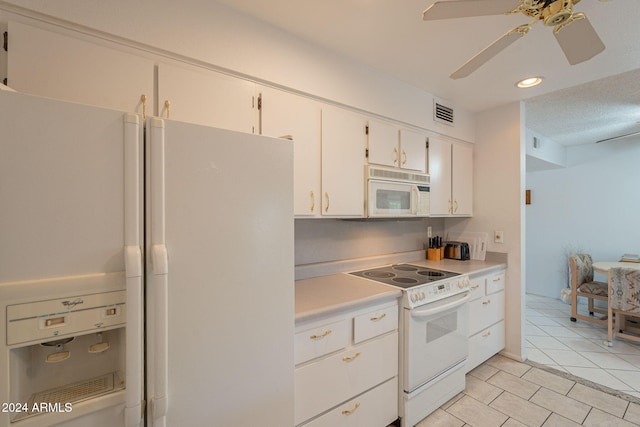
{"type": "Point", "coordinates": [428, 293]}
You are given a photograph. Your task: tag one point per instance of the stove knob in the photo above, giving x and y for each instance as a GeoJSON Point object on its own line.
{"type": "Point", "coordinates": [414, 297]}
{"type": "Point", "coordinates": [422, 296]}
{"type": "Point", "coordinates": [461, 284]}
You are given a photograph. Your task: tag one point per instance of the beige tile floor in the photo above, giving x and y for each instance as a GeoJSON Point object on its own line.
{"type": "Point", "coordinates": [503, 392]}
{"type": "Point", "coordinates": [579, 347]}
{"type": "Point", "coordinates": [506, 393]}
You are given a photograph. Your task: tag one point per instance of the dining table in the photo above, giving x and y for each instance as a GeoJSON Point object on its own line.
{"type": "Point", "coordinates": [604, 266]}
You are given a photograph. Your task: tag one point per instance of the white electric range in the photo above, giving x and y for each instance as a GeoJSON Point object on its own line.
{"type": "Point", "coordinates": [433, 335]}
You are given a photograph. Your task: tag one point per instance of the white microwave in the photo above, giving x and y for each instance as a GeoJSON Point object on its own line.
{"type": "Point", "coordinates": [393, 193]}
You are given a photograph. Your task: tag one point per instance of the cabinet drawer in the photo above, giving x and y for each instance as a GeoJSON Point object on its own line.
{"type": "Point", "coordinates": [485, 311]}
{"type": "Point", "coordinates": [485, 344]}
{"type": "Point", "coordinates": [476, 288]}
{"type": "Point", "coordinates": [375, 408]}
{"type": "Point", "coordinates": [328, 382]}
{"type": "Point", "coordinates": [495, 283]}
{"type": "Point", "coordinates": [321, 340]}
{"type": "Point", "coordinates": [375, 323]}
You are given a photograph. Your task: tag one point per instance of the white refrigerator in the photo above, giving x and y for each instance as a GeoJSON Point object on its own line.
{"type": "Point", "coordinates": [146, 270]}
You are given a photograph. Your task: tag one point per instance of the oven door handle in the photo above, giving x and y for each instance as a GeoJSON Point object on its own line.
{"type": "Point", "coordinates": [437, 310]}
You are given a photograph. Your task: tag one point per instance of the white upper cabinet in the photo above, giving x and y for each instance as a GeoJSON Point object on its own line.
{"type": "Point", "coordinates": [383, 142]}
{"type": "Point", "coordinates": [54, 65]}
{"type": "Point", "coordinates": [451, 174]}
{"type": "Point", "coordinates": [462, 178]}
{"type": "Point", "coordinates": [197, 95]}
{"type": "Point", "coordinates": [343, 160]}
{"type": "Point", "coordinates": [284, 115]}
{"type": "Point", "coordinates": [413, 150]}
{"type": "Point", "coordinates": [389, 145]}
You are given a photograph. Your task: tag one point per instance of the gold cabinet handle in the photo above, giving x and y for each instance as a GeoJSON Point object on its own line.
{"type": "Point", "coordinates": [496, 279]}
{"type": "Point", "coordinates": [475, 286]}
{"type": "Point", "coordinates": [450, 206]}
{"type": "Point", "coordinates": [313, 202]}
{"type": "Point", "coordinates": [486, 302]}
{"type": "Point", "coordinates": [382, 316]}
{"type": "Point", "coordinates": [486, 334]}
{"type": "Point", "coordinates": [455, 202]}
{"type": "Point", "coordinates": [404, 157]}
{"type": "Point", "coordinates": [317, 337]}
{"type": "Point", "coordinates": [143, 99]}
{"type": "Point", "coordinates": [351, 411]}
{"type": "Point", "coordinates": [395, 152]}
{"type": "Point", "coordinates": [350, 358]}
{"type": "Point", "coordinates": [167, 106]}
{"type": "Point", "coordinates": [326, 196]}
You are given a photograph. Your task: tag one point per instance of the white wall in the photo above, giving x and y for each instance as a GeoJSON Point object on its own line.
{"type": "Point", "coordinates": [498, 187]}
{"type": "Point", "coordinates": [591, 206]}
{"type": "Point", "coordinates": [548, 155]}
{"type": "Point", "coordinates": [325, 240]}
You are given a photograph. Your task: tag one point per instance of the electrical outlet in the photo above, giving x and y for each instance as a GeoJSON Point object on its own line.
{"type": "Point", "coordinates": [429, 231]}
{"type": "Point", "coordinates": [498, 236]}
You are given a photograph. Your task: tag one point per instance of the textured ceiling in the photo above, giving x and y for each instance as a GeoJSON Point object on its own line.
{"type": "Point", "coordinates": [588, 112]}
{"type": "Point", "coordinates": [389, 35]}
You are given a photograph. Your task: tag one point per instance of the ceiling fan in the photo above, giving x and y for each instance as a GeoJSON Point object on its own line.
{"type": "Point", "coordinates": [573, 31]}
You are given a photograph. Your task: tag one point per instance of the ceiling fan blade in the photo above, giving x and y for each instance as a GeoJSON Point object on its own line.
{"type": "Point", "coordinates": [578, 39]}
{"type": "Point", "coordinates": [490, 51]}
{"type": "Point", "coordinates": [468, 8]}
{"type": "Point", "coordinates": [618, 137]}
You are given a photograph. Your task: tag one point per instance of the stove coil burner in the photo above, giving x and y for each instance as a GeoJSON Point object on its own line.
{"type": "Point", "coordinates": [404, 267]}
{"type": "Point", "coordinates": [378, 274]}
{"type": "Point", "coordinates": [404, 280]}
{"type": "Point", "coordinates": [430, 273]}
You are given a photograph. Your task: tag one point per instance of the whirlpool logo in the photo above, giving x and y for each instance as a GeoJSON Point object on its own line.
{"type": "Point", "coordinates": [70, 304]}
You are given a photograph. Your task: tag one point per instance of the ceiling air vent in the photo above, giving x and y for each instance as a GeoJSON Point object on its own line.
{"type": "Point", "coordinates": [442, 113]}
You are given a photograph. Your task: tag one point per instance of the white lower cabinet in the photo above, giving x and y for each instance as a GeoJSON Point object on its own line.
{"type": "Point", "coordinates": [350, 382]}
{"type": "Point", "coordinates": [366, 410]}
{"type": "Point", "coordinates": [486, 318]}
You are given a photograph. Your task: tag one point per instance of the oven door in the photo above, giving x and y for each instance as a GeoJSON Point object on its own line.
{"type": "Point", "coordinates": [435, 339]}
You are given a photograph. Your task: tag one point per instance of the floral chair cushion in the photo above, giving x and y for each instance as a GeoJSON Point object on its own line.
{"type": "Point", "coordinates": [624, 289]}
{"type": "Point", "coordinates": [584, 264]}
{"type": "Point", "coordinates": [595, 288]}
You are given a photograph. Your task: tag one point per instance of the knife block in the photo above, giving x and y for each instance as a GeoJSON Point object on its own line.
{"type": "Point", "coordinates": [433, 254]}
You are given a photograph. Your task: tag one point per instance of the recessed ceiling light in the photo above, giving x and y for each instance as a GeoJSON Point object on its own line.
{"type": "Point", "coordinates": [529, 82]}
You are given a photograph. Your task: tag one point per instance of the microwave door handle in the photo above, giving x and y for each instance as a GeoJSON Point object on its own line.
{"type": "Point", "coordinates": [414, 199]}
{"type": "Point", "coordinates": [442, 308]}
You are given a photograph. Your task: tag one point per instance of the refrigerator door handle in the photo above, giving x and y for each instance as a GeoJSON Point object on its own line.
{"type": "Point", "coordinates": [134, 351]}
{"type": "Point", "coordinates": [160, 271]}
{"type": "Point", "coordinates": [159, 404]}
{"type": "Point", "coordinates": [133, 270]}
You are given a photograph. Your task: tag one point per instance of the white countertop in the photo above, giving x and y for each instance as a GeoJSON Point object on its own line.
{"type": "Point", "coordinates": [321, 296]}
{"type": "Point", "coordinates": [325, 295]}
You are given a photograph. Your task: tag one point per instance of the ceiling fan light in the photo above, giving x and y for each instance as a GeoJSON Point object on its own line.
{"type": "Point", "coordinates": [529, 82]}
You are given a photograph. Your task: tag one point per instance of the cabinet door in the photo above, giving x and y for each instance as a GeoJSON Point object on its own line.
{"type": "Point", "coordinates": [204, 97]}
{"type": "Point", "coordinates": [53, 65]}
{"type": "Point", "coordinates": [413, 150]}
{"type": "Point", "coordinates": [343, 148]}
{"type": "Point", "coordinates": [440, 175]}
{"type": "Point", "coordinates": [286, 115]}
{"type": "Point", "coordinates": [383, 144]}
{"type": "Point", "coordinates": [462, 179]}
